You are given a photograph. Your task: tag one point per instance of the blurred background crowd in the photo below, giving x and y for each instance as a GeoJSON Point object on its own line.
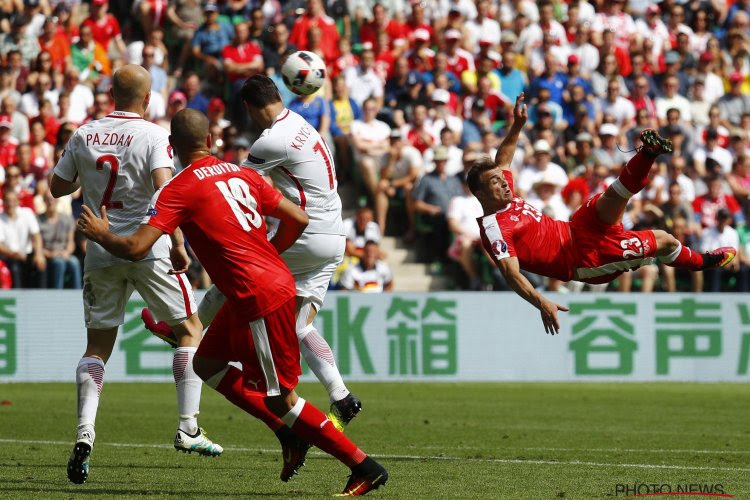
{"type": "Point", "coordinates": [417, 91]}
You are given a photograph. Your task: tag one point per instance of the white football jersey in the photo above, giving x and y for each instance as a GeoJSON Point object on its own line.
{"type": "Point", "coordinates": [301, 166]}
{"type": "Point", "coordinates": [112, 159]}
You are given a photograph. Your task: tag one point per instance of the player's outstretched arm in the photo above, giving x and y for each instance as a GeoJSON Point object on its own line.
{"type": "Point", "coordinates": [133, 247]}
{"type": "Point", "coordinates": [512, 273]}
{"type": "Point", "coordinates": [508, 147]}
{"type": "Point", "coordinates": [293, 221]}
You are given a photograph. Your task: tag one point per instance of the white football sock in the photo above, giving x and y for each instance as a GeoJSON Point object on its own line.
{"type": "Point", "coordinates": [319, 358]}
{"type": "Point", "coordinates": [188, 388]}
{"type": "Point", "coordinates": [89, 381]}
{"type": "Point", "coordinates": [210, 305]}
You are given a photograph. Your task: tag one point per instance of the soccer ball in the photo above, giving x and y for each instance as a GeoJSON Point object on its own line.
{"type": "Point", "coordinates": [303, 72]}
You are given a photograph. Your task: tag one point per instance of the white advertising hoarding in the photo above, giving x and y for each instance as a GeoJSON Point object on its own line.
{"type": "Point", "coordinates": [442, 336]}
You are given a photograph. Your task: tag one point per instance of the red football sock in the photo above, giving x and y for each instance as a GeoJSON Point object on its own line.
{"type": "Point", "coordinates": [688, 259]}
{"type": "Point", "coordinates": [232, 387]}
{"type": "Point", "coordinates": [634, 175]}
{"type": "Point", "coordinates": [315, 428]}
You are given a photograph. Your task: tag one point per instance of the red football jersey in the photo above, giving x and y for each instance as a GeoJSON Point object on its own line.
{"type": "Point", "coordinates": [103, 30]}
{"type": "Point", "coordinates": [541, 244]}
{"type": "Point", "coordinates": [220, 207]}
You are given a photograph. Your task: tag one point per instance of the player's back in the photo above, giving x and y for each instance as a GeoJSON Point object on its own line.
{"type": "Point", "coordinates": [220, 208]}
{"type": "Point", "coordinates": [301, 166]}
{"type": "Point", "coordinates": [112, 159]}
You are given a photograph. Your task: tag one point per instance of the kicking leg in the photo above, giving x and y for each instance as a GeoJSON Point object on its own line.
{"type": "Point", "coordinates": [89, 381]}
{"type": "Point", "coordinates": [634, 176]}
{"type": "Point", "coordinates": [319, 358]}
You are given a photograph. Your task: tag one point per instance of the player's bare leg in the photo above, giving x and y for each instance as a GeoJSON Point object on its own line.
{"type": "Point", "coordinates": [319, 357]}
{"type": "Point", "coordinates": [313, 426]}
{"type": "Point", "coordinates": [89, 381]}
{"type": "Point", "coordinates": [190, 437]}
{"type": "Point", "coordinates": [228, 381]}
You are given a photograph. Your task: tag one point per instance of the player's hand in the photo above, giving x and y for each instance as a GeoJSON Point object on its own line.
{"type": "Point", "coordinates": [180, 260]}
{"type": "Point", "coordinates": [549, 316]}
{"type": "Point", "coordinates": [520, 113]}
{"type": "Point", "coordinates": [90, 225]}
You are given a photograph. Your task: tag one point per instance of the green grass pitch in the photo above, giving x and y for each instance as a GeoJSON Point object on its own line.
{"type": "Point", "coordinates": [469, 441]}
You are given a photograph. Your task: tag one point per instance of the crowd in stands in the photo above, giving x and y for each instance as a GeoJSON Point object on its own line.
{"type": "Point", "coordinates": [417, 90]}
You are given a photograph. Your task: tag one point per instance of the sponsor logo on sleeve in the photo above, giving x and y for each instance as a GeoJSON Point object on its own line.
{"type": "Point", "coordinates": [170, 151]}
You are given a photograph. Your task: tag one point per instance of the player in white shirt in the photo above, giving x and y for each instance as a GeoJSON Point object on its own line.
{"type": "Point", "coordinates": [119, 161]}
{"type": "Point", "coordinates": [295, 157]}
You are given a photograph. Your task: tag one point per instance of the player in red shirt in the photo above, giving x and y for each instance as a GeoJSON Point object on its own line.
{"type": "Point", "coordinates": [593, 247]}
{"type": "Point", "coordinates": [220, 207]}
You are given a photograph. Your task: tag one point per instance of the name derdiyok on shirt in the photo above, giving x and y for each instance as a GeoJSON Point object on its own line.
{"type": "Point", "coordinates": [218, 169]}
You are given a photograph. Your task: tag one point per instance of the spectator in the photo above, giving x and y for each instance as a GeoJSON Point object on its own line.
{"type": "Point", "coordinates": [672, 100]}
{"type": "Point", "coordinates": [418, 132]}
{"type": "Point", "coordinates": [370, 138]}
{"type": "Point", "coordinates": [30, 101]}
{"type": "Point", "coordinates": [242, 58]}
{"type": "Point", "coordinates": [401, 167]}
{"type": "Point", "coordinates": [185, 17]}
{"type": "Point", "coordinates": [192, 92]}
{"type": "Point", "coordinates": [734, 103]}
{"type": "Point", "coordinates": [19, 128]}
{"type": "Point", "coordinates": [277, 49]}
{"type": "Point", "coordinates": [177, 102]}
{"type": "Point", "coordinates": [315, 16]}
{"type": "Point", "coordinates": [455, 164]}
{"type": "Point", "coordinates": [21, 243]}
{"type": "Point", "coordinates": [432, 196]}
{"type": "Point", "coordinates": [90, 57]}
{"type": "Point", "coordinates": [362, 81]}
{"type": "Point", "coordinates": [58, 244]}
{"type": "Point", "coordinates": [713, 151]}
{"type": "Point", "coordinates": [462, 215]}
{"type": "Point", "coordinates": [8, 143]}
{"type": "Point", "coordinates": [707, 207]}
{"type": "Point", "coordinates": [723, 234]}
{"type": "Point", "coordinates": [533, 173]}
{"type": "Point", "coordinates": [360, 229]}
{"type": "Point", "coordinates": [209, 42]}
{"type": "Point", "coordinates": [608, 154]}
{"type": "Point", "coordinates": [316, 110]}
{"type": "Point", "coordinates": [19, 182]}
{"type": "Point", "coordinates": [104, 27]}
{"type": "Point", "coordinates": [370, 274]}
{"type": "Point", "coordinates": [512, 80]}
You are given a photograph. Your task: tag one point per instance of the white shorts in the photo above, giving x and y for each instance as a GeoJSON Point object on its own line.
{"type": "Point", "coordinates": [106, 292]}
{"type": "Point", "coordinates": [312, 261]}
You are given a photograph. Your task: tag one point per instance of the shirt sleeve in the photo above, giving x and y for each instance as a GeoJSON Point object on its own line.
{"type": "Point", "coordinates": [498, 244]}
{"type": "Point", "coordinates": [66, 166]}
{"type": "Point", "coordinates": [32, 221]}
{"type": "Point", "coordinates": [167, 209]}
{"type": "Point", "coordinates": [266, 154]}
{"type": "Point", "coordinates": [161, 152]}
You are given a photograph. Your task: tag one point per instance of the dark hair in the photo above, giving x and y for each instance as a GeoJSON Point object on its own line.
{"type": "Point", "coordinates": [259, 91]}
{"type": "Point", "coordinates": [474, 177]}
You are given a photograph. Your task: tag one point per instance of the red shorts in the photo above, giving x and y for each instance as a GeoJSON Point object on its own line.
{"type": "Point", "coordinates": [267, 347]}
{"type": "Point", "coordinates": [605, 251]}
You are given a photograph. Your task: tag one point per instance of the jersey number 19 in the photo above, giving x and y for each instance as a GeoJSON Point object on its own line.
{"type": "Point", "coordinates": [242, 203]}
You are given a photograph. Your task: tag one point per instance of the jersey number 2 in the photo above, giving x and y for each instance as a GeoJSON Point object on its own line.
{"type": "Point", "coordinates": [114, 167]}
{"type": "Point", "coordinates": [242, 203]}
{"type": "Point", "coordinates": [323, 150]}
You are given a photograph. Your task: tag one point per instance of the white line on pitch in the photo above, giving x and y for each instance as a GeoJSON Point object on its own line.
{"type": "Point", "coordinates": [417, 457]}
{"type": "Point", "coordinates": [601, 450]}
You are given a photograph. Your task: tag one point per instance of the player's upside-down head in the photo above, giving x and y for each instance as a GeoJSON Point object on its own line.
{"type": "Point", "coordinates": [486, 181]}
{"type": "Point", "coordinates": [190, 134]}
{"type": "Point", "coordinates": [262, 100]}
